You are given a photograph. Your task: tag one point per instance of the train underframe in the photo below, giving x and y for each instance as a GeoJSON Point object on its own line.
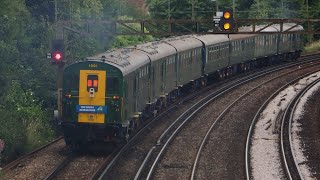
{"type": "Point", "coordinates": [80, 135]}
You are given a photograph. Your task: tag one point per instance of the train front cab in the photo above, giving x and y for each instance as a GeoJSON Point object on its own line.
{"type": "Point", "coordinates": [92, 104]}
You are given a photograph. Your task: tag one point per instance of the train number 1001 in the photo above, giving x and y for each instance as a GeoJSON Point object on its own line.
{"type": "Point", "coordinates": [93, 65]}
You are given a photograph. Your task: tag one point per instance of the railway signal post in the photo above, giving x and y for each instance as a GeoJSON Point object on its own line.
{"type": "Point", "coordinates": [57, 57]}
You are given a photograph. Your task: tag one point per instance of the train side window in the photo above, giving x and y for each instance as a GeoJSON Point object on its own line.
{"type": "Point", "coordinates": [72, 83]}
{"type": "Point", "coordinates": [92, 82]}
{"type": "Point", "coordinates": [112, 85]}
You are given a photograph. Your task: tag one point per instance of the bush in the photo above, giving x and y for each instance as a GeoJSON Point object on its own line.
{"type": "Point", "coordinates": [24, 125]}
{"type": "Point", "coordinates": [313, 47]}
{"type": "Point", "coordinates": [13, 133]}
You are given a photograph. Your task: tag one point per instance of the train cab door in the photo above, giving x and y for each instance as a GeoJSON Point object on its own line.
{"type": "Point", "coordinates": [92, 91]}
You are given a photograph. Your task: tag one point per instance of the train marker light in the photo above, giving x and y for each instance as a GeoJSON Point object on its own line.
{"type": "Point", "coordinates": [68, 96]}
{"type": "Point", "coordinates": [115, 97]}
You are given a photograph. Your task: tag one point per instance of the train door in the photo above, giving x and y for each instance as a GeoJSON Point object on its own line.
{"type": "Point", "coordinates": [92, 90]}
{"type": "Point", "coordinates": [152, 83]}
{"type": "Point", "coordinates": [163, 75]}
{"type": "Point", "coordinates": [177, 70]}
{"type": "Point", "coordinates": [136, 91]}
{"type": "Point", "coordinates": [204, 57]}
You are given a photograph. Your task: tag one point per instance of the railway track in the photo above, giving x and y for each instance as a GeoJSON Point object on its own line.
{"type": "Point", "coordinates": [29, 165]}
{"type": "Point", "coordinates": [172, 129]}
{"type": "Point", "coordinates": [17, 161]}
{"type": "Point", "coordinates": [110, 161]}
{"type": "Point", "coordinates": [54, 173]}
{"type": "Point", "coordinates": [83, 165]}
{"type": "Point", "coordinates": [283, 123]}
{"type": "Point", "coordinates": [288, 154]}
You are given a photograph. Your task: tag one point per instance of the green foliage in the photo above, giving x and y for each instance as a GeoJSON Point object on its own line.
{"type": "Point", "coordinates": [260, 9]}
{"type": "Point", "coordinates": [313, 47]}
{"type": "Point", "coordinates": [81, 47]}
{"type": "Point", "coordinates": [113, 9]}
{"type": "Point", "coordinates": [12, 132]}
{"type": "Point", "coordinates": [25, 77]}
{"type": "Point", "coordinates": [24, 125]}
{"type": "Point", "coordinates": [175, 9]}
{"type": "Point", "coordinates": [13, 18]}
{"type": "Point", "coordinates": [124, 41]}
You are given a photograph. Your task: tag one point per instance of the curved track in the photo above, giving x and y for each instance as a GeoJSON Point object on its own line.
{"type": "Point", "coordinates": [285, 138]}
{"type": "Point", "coordinates": [288, 155]}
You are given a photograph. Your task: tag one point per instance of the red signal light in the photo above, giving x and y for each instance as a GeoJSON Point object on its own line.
{"type": "Point", "coordinates": [57, 56]}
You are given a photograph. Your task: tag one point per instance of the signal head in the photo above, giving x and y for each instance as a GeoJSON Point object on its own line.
{"type": "Point", "coordinates": [57, 56]}
{"type": "Point", "coordinates": [226, 20]}
{"type": "Point", "coordinates": [57, 51]}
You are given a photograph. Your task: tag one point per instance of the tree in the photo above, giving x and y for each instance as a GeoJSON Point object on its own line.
{"type": "Point", "coordinates": [42, 9]}
{"type": "Point", "coordinates": [124, 41]}
{"type": "Point", "coordinates": [174, 9]}
{"type": "Point", "coordinates": [260, 9]}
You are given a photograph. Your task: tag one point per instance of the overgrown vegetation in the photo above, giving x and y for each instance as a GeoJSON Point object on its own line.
{"type": "Point", "coordinates": [312, 47]}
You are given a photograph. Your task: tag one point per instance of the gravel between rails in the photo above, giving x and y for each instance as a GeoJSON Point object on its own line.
{"type": "Point", "coordinates": [82, 167]}
{"type": "Point", "coordinates": [224, 153]}
{"type": "Point", "coordinates": [310, 133]}
{"type": "Point", "coordinates": [38, 165]}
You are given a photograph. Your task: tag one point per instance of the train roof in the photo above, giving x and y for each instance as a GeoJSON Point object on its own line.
{"type": "Point", "coordinates": [125, 59]}
{"type": "Point", "coordinates": [241, 36]}
{"type": "Point", "coordinates": [289, 26]}
{"type": "Point", "coordinates": [273, 28]}
{"type": "Point", "coordinates": [156, 50]}
{"type": "Point", "coordinates": [183, 43]}
{"type": "Point", "coordinates": [209, 39]}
